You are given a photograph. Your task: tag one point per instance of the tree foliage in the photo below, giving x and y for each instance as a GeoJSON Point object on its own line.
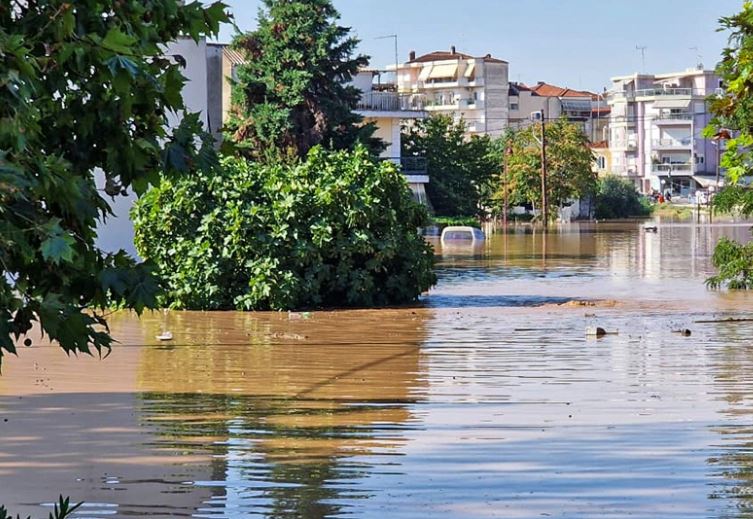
{"type": "Point", "coordinates": [62, 510]}
{"type": "Point", "coordinates": [460, 168]}
{"type": "Point", "coordinates": [338, 230]}
{"type": "Point", "coordinates": [733, 117]}
{"type": "Point", "coordinates": [617, 197]}
{"type": "Point", "coordinates": [83, 87]}
{"type": "Point", "coordinates": [570, 172]}
{"type": "Point", "coordinates": [292, 92]}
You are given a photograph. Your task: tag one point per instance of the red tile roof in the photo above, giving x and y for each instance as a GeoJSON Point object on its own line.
{"type": "Point", "coordinates": [547, 90]}
{"type": "Point", "coordinates": [600, 145]}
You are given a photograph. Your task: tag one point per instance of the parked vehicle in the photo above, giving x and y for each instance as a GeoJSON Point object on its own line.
{"type": "Point", "coordinates": [462, 233]}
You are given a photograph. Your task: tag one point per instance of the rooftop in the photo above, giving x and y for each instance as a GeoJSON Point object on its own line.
{"type": "Point", "coordinates": [450, 55]}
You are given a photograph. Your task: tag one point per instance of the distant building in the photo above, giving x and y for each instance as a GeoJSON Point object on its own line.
{"type": "Point", "coordinates": [587, 109]}
{"type": "Point", "coordinates": [474, 89]}
{"type": "Point", "coordinates": [655, 131]}
{"type": "Point", "coordinates": [603, 158]}
{"type": "Point", "coordinates": [388, 110]}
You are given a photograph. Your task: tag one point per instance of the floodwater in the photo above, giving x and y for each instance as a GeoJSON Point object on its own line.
{"type": "Point", "coordinates": [488, 400]}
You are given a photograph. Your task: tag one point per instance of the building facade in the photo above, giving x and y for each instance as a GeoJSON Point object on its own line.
{"type": "Point", "coordinates": [655, 131]}
{"type": "Point", "coordinates": [388, 110]}
{"type": "Point", "coordinates": [587, 109]}
{"type": "Point", "coordinates": [472, 89]}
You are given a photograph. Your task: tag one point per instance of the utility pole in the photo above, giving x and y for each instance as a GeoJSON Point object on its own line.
{"type": "Point", "coordinates": [506, 210]}
{"type": "Point", "coordinates": [544, 203]}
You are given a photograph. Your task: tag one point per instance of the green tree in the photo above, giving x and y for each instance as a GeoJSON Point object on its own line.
{"type": "Point", "coordinates": [460, 168]}
{"type": "Point", "coordinates": [292, 93]}
{"type": "Point", "coordinates": [338, 230]}
{"type": "Point", "coordinates": [83, 87]}
{"type": "Point", "coordinates": [733, 116]}
{"type": "Point", "coordinates": [570, 161]}
{"type": "Point", "coordinates": [617, 198]}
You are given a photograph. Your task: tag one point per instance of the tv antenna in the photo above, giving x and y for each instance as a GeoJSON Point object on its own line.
{"type": "Point", "coordinates": [642, 49]}
{"type": "Point", "coordinates": [698, 56]}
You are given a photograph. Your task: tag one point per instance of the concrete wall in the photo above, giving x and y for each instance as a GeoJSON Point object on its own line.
{"type": "Point", "coordinates": [117, 232]}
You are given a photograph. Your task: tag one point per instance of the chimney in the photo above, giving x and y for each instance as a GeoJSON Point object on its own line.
{"type": "Point", "coordinates": [412, 55]}
{"type": "Point", "coordinates": [453, 50]}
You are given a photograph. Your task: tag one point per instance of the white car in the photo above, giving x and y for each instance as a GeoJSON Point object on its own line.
{"type": "Point", "coordinates": [462, 234]}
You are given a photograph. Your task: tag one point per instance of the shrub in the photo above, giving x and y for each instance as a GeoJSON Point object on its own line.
{"type": "Point", "coordinates": [336, 230]}
{"type": "Point", "coordinates": [617, 198]}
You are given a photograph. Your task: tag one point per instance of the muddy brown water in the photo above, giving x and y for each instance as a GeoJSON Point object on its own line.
{"type": "Point", "coordinates": [488, 400]}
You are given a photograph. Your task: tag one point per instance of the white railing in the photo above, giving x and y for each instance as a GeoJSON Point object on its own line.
{"type": "Point", "coordinates": [677, 116]}
{"type": "Point", "coordinates": [391, 102]}
{"type": "Point", "coordinates": [672, 168]}
{"type": "Point", "coordinates": [672, 143]}
{"type": "Point", "coordinates": [652, 92]}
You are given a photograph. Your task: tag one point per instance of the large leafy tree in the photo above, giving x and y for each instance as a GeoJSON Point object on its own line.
{"type": "Point", "coordinates": [460, 168]}
{"type": "Point", "coordinates": [569, 165]}
{"type": "Point", "coordinates": [293, 91]}
{"type": "Point", "coordinates": [733, 119]}
{"type": "Point", "coordinates": [335, 230]}
{"type": "Point", "coordinates": [84, 88]}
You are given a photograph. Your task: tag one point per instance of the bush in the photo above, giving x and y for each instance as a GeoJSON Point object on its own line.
{"type": "Point", "coordinates": [734, 262]}
{"type": "Point", "coordinates": [336, 230]}
{"type": "Point", "coordinates": [617, 198]}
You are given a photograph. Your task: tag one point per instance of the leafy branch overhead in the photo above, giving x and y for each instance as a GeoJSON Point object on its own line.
{"type": "Point", "coordinates": [85, 88]}
{"type": "Point", "coordinates": [733, 123]}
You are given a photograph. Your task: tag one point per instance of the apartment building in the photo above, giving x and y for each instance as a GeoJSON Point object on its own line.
{"type": "Point", "coordinates": [388, 110]}
{"type": "Point", "coordinates": [587, 109]}
{"type": "Point", "coordinates": [655, 131]}
{"type": "Point", "coordinates": [468, 88]}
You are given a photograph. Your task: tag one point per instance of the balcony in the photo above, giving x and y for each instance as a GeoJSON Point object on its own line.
{"type": "Point", "coordinates": [409, 166]}
{"type": "Point", "coordinates": [656, 92]}
{"type": "Point", "coordinates": [673, 144]}
{"type": "Point", "coordinates": [674, 118]}
{"type": "Point", "coordinates": [391, 102]}
{"type": "Point", "coordinates": [672, 169]}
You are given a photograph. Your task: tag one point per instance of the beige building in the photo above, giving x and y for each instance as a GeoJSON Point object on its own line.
{"type": "Point", "coordinates": [473, 89]}
{"type": "Point", "coordinates": [587, 109]}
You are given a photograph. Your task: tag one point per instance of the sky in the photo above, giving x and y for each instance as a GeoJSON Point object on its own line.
{"type": "Point", "coordinates": [579, 44]}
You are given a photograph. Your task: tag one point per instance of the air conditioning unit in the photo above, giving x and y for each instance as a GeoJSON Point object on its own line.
{"type": "Point", "coordinates": [719, 91]}
{"type": "Point", "coordinates": [537, 116]}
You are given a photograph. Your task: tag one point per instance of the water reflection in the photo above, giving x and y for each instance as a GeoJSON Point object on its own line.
{"type": "Point", "coordinates": [487, 400]}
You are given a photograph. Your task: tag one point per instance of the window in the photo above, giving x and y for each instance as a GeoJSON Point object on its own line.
{"type": "Point", "coordinates": [514, 106]}
{"type": "Point", "coordinates": [602, 163]}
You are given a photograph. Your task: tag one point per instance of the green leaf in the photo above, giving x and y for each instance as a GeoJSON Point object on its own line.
{"type": "Point", "coordinates": [119, 42]}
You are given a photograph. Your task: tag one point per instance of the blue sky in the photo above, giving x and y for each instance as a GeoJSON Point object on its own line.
{"type": "Point", "coordinates": [575, 43]}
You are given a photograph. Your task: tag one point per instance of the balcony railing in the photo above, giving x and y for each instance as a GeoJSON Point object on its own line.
{"type": "Point", "coordinates": [673, 143]}
{"type": "Point", "coordinates": [652, 92]}
{"type": "Point", "coordinates": [649, 92]}
{"type": "Point", "coordinates": [391, 102]}
{"type": "Point", "coordinates": [677, 116]}
{"type": "Point", "coordinates": [665, 169]}
{"type": "Point", "coordinates": [409, 165]}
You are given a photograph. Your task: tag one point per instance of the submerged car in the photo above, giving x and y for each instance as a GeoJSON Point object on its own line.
{"type": "Point", "coordinates": [462, 234]}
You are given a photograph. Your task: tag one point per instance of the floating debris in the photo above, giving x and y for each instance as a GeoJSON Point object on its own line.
{"type": "Point", "coordinates": [684, 333]}
{"type": "Point", "coordinates": [595, 331]}
{"type": "Point", "coordinates": [165, 336]}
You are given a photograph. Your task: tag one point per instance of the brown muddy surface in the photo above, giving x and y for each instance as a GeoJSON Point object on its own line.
{"type": "Point", "coordinates": [488, 400]}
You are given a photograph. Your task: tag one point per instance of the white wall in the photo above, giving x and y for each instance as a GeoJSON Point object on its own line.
{"type": "Point", "coordinates": [117, 232]}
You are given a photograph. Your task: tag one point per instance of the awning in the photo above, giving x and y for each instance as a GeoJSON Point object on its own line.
{"type": "Point", "coordinates": [469, 70]}
{"type": "Point", "coordinates": [425, 73]}
{"type": "Point", "coordinates": [705, 182]}
{"type": "Point", "coordinates": [672, 103]}
{"type": "Point", "coordinates": [576, 105]}
{"type": "Point", "coordinates": [444, 71]}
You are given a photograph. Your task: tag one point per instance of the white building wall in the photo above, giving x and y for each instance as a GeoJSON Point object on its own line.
{"type": "Point", "coordinates": [116, 233]}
